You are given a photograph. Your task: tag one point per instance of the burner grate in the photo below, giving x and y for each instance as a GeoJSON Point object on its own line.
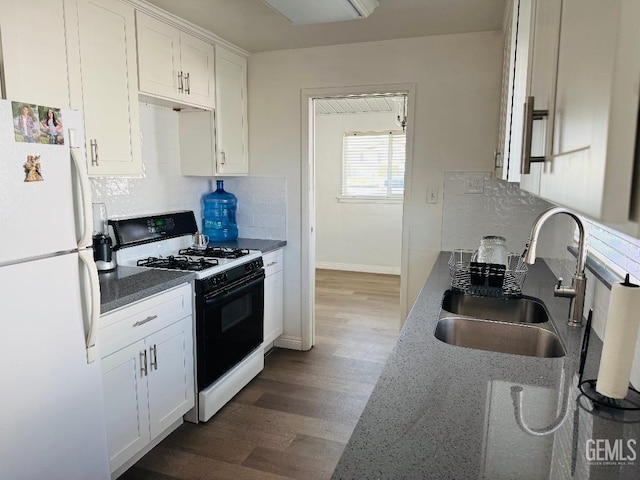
{"type": "Point", "coordinates": [177, 262]}
{"type": "Point", "coordinates": [215, 252]}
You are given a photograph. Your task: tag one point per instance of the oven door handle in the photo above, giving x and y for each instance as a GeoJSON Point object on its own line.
{"type": "Point", "coordinates": [235, 292]}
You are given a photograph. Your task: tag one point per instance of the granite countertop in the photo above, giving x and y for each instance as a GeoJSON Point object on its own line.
{"type": "Point", "coordinates": [265, 246]}
{"type": "Point", "coordinates": [129, 284]}
{"type": "Point", "coordinates": [444, 412]}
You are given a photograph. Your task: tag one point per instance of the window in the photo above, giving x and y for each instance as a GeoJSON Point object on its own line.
{"type": "Point", "coordinates": [373, 164]}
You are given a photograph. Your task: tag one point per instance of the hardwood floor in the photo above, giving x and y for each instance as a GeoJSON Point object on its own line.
{"type": "Point", "coordinates": [294, 419]}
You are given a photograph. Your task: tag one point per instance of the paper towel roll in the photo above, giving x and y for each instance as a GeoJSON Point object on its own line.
{"type": "Point", "coordinates": [623, 320]}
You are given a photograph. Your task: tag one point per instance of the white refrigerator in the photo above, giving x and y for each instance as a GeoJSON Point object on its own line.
{"type": "Point", "coordinates": [51, 403]}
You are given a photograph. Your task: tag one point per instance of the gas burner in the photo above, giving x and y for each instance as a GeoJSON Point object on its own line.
{"type": "Point", "coordinates": [177, 263]}
{"type": "Point", "coordinates": [215, 252]}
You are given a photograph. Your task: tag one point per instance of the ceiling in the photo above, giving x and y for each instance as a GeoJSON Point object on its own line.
{"type": "Point", "coordinates": [254, 26]}
{"type": "Point", "coordinates": [357, 104]}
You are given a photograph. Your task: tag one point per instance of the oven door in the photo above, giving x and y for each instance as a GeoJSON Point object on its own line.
{"type": "Point", "coordinates": [229, 326]}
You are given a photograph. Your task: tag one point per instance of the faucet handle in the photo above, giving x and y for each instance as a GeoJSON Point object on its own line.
{"type": "Point", "coordinates": [560, 279]}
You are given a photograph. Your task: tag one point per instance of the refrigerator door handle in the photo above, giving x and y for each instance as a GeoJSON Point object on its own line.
{"type": "Point", "coordinates": [85, 192]}
{"type": "Point", "coordinates": [86, 256]}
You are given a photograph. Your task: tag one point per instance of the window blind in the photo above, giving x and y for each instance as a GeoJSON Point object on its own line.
{"type": "Point", "coordinates": [373, 164]}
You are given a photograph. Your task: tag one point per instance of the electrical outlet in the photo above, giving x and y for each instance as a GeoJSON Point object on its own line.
{"type": "Point", "coordinates": [474, 184]}
{"type": "Point", "coordinates": [432, 194]}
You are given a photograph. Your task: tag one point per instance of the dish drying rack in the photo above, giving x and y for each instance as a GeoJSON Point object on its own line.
{"type": "Point", "coordinates": [486, 279]}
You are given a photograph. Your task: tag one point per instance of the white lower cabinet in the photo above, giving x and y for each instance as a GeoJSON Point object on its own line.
{"type": "Point", "coordinates": [273, 296]}
{"type": "Point", "coordinates": [148, 374]}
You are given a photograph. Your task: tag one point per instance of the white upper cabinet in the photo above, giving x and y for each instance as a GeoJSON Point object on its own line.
{"type": "Point", "coordinates": [596, 109]}
{"type": "Point", "coordinates": [531, 51]}
{"type": "Point", "coordinates": [216, 143]}
{"type": "Point", "coordinates": [543, 58]}
{"type": "Point", "coordinates": [231, 113]}
{"type": "Point", "coordinates": [34, 53]}
{"type": "Point", "coordinates": [174, 65]}
{"type": "Point", "coordinates": [516, 71]}
{"type": "Point", "coordinates": [103, 83]}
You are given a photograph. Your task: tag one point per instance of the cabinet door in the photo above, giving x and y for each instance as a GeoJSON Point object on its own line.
{"type": "Point", "coordinates": [34, 53]}
{"type": "Point", "coordinates": [231, 113]}
{"type": "Point", "coordinates": [108, 86]}
{"type": "Point", "coordinates": [273, 307]}
{"type": "Point", "coordinates": [596, 109]}
{"type": "Point", "coordinates": [273, 296]}
{"type": "Point", "coordinates": [198, 66]}
{"type": "Point", "coordinates": [125, 398]}
{"type": "Point", "coordinates": [521, 32]}
{"type": "Point", "coordinates": [159, 58]}
{"type": "Point", "coordinates": [171, 385]}
{"type": "Point", "coordinates": [543, 68]}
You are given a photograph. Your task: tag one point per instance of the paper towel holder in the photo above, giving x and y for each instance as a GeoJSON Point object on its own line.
{"type": "Point", "coordinates": [631, 402]}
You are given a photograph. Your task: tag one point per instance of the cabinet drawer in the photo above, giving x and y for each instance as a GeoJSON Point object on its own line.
{"type": "Point", "coordinates": [138, 320]}
{"type": "Point", "coordinates": [273, 262]}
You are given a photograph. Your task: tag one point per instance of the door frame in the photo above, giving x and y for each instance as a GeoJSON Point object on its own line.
{"type": "Point", "coordinates": [307, 183]}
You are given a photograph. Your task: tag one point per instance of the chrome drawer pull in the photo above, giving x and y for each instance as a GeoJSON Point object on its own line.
{"type": "Point", "coordinates": [271, 264]}
{"type": "Point", "coordinates": [142, 322]}
{"type": "Point", "coordinates": [527, 132]}
{"type": "Point", "coordinates": [143, 363]}
{"type": "Point", "coordinates": [154, 361]}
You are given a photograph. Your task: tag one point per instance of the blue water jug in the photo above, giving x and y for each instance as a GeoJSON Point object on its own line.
{"type": "Point", "coordinates": [219, 214]}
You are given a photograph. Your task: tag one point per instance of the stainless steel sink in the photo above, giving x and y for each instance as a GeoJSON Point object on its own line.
{"type": "Point", "coordinates": [521, 310]}
{"type": "Point", "coordinates": [518, 339]}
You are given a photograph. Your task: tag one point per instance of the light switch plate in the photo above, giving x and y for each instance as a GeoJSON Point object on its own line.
{"type": "Point", "coordinates": [432, 194]}
{"type": "Point", "coordinates": [474, 184]}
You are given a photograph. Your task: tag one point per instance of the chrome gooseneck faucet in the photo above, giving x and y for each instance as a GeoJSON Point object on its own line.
{"type": "Point", "coordinates": [578, 282]}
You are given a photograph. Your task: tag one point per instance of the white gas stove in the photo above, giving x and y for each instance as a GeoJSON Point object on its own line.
{"type": "Point", "coordinates": [228, 300]}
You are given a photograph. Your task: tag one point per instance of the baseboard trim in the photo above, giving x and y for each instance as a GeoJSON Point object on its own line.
{"type": "Point", "coordinates": [285, 341]}
{"type": "Point", "coordinates": [354, 267]}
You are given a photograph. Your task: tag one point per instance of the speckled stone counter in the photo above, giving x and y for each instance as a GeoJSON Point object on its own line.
{"type": "Point", "coordinates": [444, 412]}
{"type": "Point", "coordinates": [265, 246]}
{"type": "Point", "coordinates": [130, 284]}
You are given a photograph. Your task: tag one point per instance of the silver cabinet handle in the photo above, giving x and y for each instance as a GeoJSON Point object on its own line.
{"type": "Point", "coordinates": [224, 156]}
{"type": "Point", "coordinates": [154, 361]}
{"type": "Point", "coordinates": [146, 320]}
{"type": "Point", "coordinates": [188, 83]}
{"type": "Point", "coordinates": [143, 363]}
{"type": "Point", "coordinates": [180, 82]}
{"type": "Point", "coordinates": [271, 264]}
{"type": "Point", "coordinates": [529, 116]}
{"type": "Point", "coordinates": [94, 152]}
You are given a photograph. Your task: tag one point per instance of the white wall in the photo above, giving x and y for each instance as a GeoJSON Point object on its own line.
{"type": "Point", "coordinates": [363, 237]}
{"type": "Point", "coordinates": [457, 79]}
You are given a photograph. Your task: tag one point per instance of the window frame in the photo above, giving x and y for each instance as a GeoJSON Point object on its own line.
{"type": "Point", "coordinates": [388, 197]}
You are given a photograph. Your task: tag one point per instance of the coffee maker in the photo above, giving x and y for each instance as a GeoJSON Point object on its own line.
{"type": "Point", "coordinates": [102, 243]}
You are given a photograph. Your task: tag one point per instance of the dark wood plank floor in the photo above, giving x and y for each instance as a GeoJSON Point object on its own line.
{"type": "Point", "coordinates": [294, 419]}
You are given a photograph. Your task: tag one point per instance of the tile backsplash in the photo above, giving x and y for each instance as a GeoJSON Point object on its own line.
{"type": "Point", "coordinates": [161, 188]}
{"type": "Point", "coordinates": [500, 208]}
{"type": "Point", "coordinates": [262, 206]}
{"type": "Point", "coordinates": [261, 200]}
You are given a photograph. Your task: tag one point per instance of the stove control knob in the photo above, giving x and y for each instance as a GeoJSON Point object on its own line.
{"type": "Point", "coordinates": [224, 277]}
{"type": "Point", "coordinates": [248, 266]}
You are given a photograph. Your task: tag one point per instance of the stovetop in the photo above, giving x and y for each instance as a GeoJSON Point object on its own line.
{"type": "Point", "coordinates": [179, 262]}
{"type": "Point", "coordinates": [214, 252]}
{"type": "Point", "coordinates": [178, 254]}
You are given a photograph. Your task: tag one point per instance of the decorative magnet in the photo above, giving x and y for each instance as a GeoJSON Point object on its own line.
{"type": "Point", "coordinates": [32, 169]}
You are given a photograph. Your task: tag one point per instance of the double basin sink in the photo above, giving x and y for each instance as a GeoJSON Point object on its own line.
{"type": "Point", "coordinates": [520, 326]}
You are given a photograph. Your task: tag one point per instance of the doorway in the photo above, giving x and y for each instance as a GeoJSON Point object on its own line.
{"type": "Point", "coordinates": [363, 200]}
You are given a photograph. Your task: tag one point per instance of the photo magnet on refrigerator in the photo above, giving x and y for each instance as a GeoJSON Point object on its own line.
{"type": "Point", "coordinates": [32, 169]}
